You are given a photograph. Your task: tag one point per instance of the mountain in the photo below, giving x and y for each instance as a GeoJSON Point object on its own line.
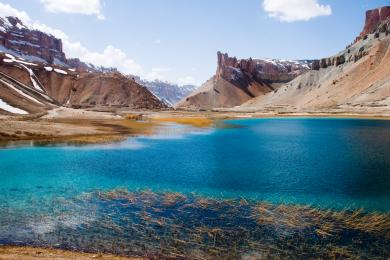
{"type": "Point", "coordinates": [17, 39]}
{"type": "Point", "coordinates": [167, 92]}
{"type": "Point", "coordinates": [237, 81]}
{"type": "Point", "coordinates": [35, 75]}
{"type": "Point", "coordinates": [356, 79]}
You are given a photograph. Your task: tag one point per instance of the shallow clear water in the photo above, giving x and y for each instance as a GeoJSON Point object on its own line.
{"type": "Point", "coordinates": [87, 197]}
{"type": "Point", "coordinates": [338, 163]}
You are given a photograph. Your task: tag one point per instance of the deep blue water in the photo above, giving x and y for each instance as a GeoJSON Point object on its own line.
{"type": "Point", "coordinates": [337, 163]}
{"type": "Point", "coordinates": [91, 198]}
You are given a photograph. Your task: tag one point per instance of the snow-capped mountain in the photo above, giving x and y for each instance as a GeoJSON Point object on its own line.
{"type": "Point", "coordinates": [35, 75]}
{"type": "Point", "coordinates": [168, 92]}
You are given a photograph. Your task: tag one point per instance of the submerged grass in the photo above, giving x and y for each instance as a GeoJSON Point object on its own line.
{"type": "Point", "coordinates": [178, 226]}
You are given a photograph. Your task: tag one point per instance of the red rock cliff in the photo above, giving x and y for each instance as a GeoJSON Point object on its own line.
{"type": "Point", "coordinates": [14, 35]}
{"type": "Point", "coordinates": [374, 18]}
{"type": "Point", "coordinates": [258, 69]}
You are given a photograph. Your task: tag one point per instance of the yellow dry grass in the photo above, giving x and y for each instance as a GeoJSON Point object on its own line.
{"type": "Point", "coordinates": [193, 121]}
{"type": "Point", "coordinates": [133, 116]}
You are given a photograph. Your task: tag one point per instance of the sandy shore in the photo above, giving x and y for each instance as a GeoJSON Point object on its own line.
{"type": "Point", "coordinates": [29, 253]}
{"type": "Point", "coordinates": [82, 126]}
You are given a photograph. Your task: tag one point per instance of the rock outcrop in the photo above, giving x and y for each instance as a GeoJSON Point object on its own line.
{"type": "Point", "coordinates": [270, 70]}
{"type": "Point", "coordinates": [34, 44]}
{"type": "Point", "coordinates": [377, 21]}
{"type": "Point", "coordinates": [374, 18]}
{"type": "Point", "coordinates": [237, 81]}
{"type": "Point", "coordinates": [37, 46]}
{"type": "Point", "coordinates": [356, 79]}
{"type": "Point", "coordinates": [35, 76]}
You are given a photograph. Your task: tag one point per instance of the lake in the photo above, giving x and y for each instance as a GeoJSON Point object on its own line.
{"type": "Point", "coordinates": [86, 197]}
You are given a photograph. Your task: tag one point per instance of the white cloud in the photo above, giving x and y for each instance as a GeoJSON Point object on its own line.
{"type": "Point", "coordinates": [188, 80]}
{"type": "Point", "coordinates": [158, 41]}
{"type": "Point", "coordinates": [86, 7]}
{"type": "Point", "coordinates": [295, 10]}
{"type": "Point", "coordinates": [157, 73]}
{"type": "Point", "coordinates": [109, 57]}
{"type": "Point", "coordinates": [7, 10]}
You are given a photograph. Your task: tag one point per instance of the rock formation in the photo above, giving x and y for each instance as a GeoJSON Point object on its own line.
{"type": "Point", "coordinates": [270, 71]}
{"type": "Point", "coordinates": [39, 46]}
{"type": "Point", "coordinates": [35, 75]}
{"type": "Point", "coordinates": [356, 79]}
{"type": "Point", "coordinates": [237, 81]}
{"type": "Point", "coordinates": [374, 18]}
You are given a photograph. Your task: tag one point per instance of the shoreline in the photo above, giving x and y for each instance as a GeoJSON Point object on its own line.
{"type": "Point", "coordinates": [11, 252]}
{"type": "Point", "coordinates": [79, 127]}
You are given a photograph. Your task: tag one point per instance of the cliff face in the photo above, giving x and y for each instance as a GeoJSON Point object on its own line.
{"type": "Point", "coordinates": [37, 46]}
{"type": "Point", "coordinates": [357, 79]}
{"type": "Point", "coordinates": [377, 23]}
{"type": "Point", "coordinates": [269, 71]}
{"type": "Point", "coordinates": [374, 18]}
{"type": "Point", "coordinates": [237, 81]}
{"type": "Point", "coordinates": [35, 75]}
{"type": "Point", "coordinates": [14, 35]}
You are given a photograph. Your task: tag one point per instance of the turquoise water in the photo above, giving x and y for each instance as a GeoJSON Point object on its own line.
{"type": "Point", "coordinates": [338, 163]}
{"type": "Point", "coordinates": [50, 195]}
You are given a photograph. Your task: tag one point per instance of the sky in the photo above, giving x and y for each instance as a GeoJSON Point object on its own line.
{"type": "Point", "coordinates": [177, 40]}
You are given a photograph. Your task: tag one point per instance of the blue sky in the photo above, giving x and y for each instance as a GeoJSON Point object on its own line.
{"type": "Point", "coordinates": [177, 40]}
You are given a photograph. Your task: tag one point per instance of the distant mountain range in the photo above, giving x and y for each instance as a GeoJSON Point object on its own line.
{"type": "Point", "coordinates": [167, 92]}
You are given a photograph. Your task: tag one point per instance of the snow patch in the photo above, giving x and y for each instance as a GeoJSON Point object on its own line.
{"type": "Point", "coordinates": [21, 56]}
{"type": "Point", "coordinates": [48, 68]}
{"type": "Point", "coordinates": [61, 71]}
{"type": "Point", "coordinates": [9, 56]}
{"type": "Point", "coordinates": [11, 109]}
{"type": "Point", "coordinates": [36, 85]}
{"type": "Point", "coordinates": [270, 61]}
{"type": "Point", "coordinates": [26, 63]}
{"type": "Point", "coordinates": [21, 92]}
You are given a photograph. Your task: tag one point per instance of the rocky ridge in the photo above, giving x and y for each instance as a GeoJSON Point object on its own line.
{"type": "Point", "coordinates": [261, 70]}
{"type": "Point", "coordinates": [356, 79]}
{"type": "Point", "coordinates": [237, 81]}
{"type": "Point", "coordinates": [377, 21]}
{"type": "Point", "coordinates": [35, 76]}
{"type": "Point", "coordinates": [31, 44]}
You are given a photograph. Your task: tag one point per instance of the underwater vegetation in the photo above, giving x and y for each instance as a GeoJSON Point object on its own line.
{"type": "Point", "coordinates": [175, 226]}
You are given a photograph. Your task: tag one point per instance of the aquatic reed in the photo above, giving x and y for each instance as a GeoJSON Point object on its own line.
{"type": "Point", "coordinates": [178, 226]}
